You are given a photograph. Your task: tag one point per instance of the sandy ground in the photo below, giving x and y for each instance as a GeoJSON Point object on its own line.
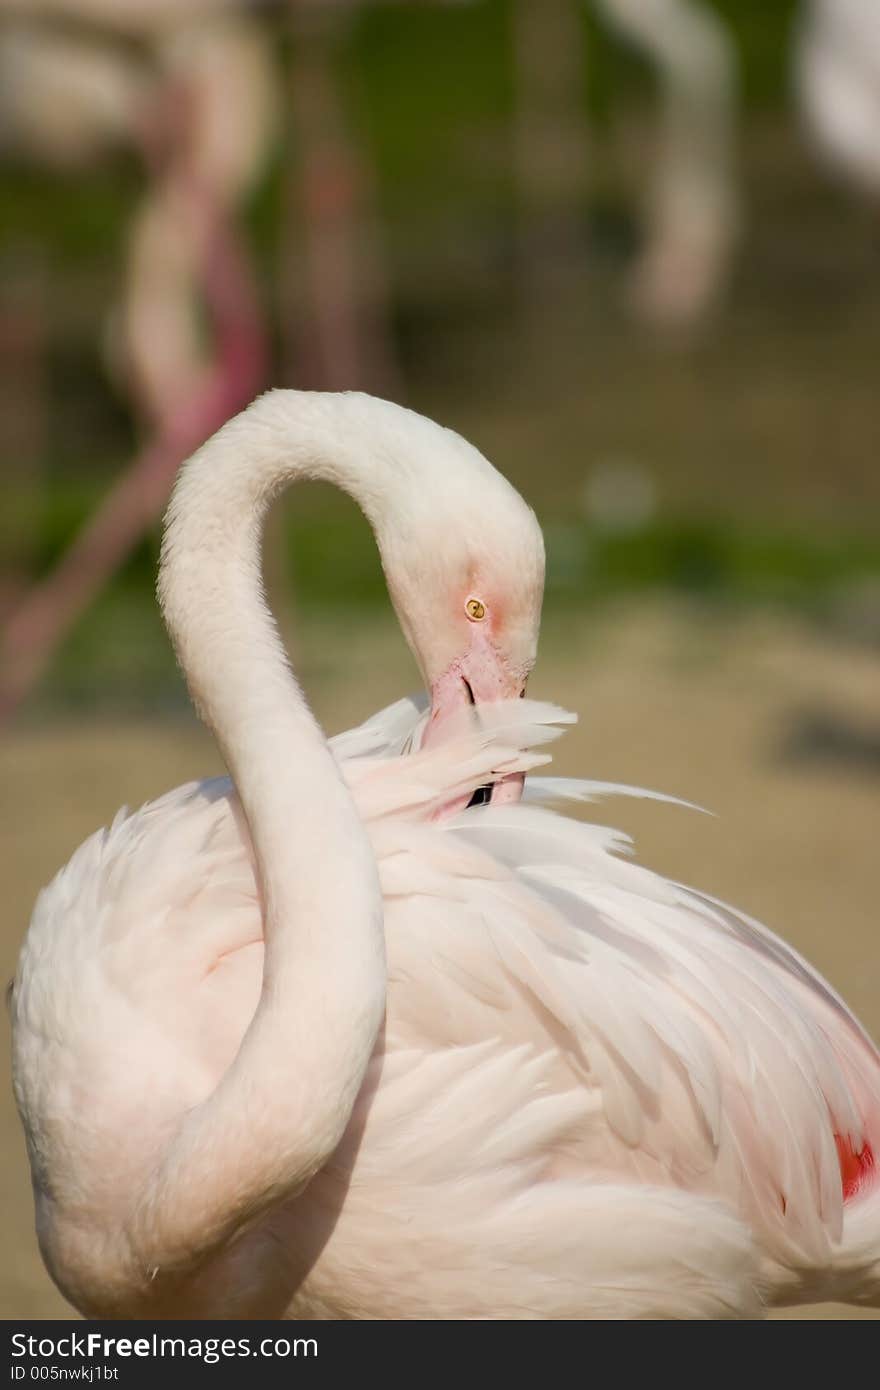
{"type": "Point", "coordinates": [718, 712]}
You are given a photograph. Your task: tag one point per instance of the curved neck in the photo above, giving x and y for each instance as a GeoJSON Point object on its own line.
{"type": "Point", "coordinates": [279, 1112]}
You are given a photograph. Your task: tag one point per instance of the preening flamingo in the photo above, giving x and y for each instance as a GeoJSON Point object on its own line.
{"type": "Point", "coordinates": [365, 1033]}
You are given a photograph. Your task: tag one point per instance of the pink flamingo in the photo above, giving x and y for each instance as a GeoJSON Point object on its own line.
{"type": "Point", "coordinates": [75, 93]}
{"type": "Point", "coordinates": [359, 1033]}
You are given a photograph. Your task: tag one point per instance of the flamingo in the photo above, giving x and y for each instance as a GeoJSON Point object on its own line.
{"type": "Point", "coordinates": [370, 1030]}
{"type": "Point", "coordinates": [691, 218]}
{"type": "Point", "coordinates": [837, 68]}
{"type": "Point", "coordinates": [197, 101]}
{"type": "Point", "coordinates": [194, 92]}
{"type": "Point", "coordinates": [693, 211]}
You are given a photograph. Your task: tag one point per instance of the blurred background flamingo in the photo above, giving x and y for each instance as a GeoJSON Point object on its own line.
{"type": "Point", "coordinates": [195, 100]}
{"type": "Point", "coordinates": [838, 76]}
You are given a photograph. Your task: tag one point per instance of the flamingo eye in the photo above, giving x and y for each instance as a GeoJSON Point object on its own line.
{"type": "Point", "coordinates": [475, 609]}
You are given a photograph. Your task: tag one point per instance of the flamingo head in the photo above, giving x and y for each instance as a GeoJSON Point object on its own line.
{"type": "Point", "coordinates": [464, 562]}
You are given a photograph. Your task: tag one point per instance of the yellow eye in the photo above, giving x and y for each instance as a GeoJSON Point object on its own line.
{"type": "Point", "coordinates": [475, 609]}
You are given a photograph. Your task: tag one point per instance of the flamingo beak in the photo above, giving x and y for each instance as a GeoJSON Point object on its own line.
{"type": "Point", "coordinates": [481, 677]}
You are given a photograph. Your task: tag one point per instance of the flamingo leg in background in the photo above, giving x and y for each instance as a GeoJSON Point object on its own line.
{"type": "Point", "coordinates": [133, 504]}
{"type": "Point", "coordinates": [23, 405]}
{"type": "Point", "coordinates": [341, 337]}
{"type": "Point", "coordinates": [693, 212]}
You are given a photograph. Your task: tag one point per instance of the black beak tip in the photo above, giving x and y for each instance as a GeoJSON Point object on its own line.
{"type": "Point", "coordinates": [482, 796]}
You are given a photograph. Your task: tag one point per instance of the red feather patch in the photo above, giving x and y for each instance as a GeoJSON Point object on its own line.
{"type": "Point", "coordinates": [855, 1168]}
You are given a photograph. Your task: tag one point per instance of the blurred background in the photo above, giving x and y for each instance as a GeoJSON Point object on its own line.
{"type": "Point", "coordinates": [629, 248]}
